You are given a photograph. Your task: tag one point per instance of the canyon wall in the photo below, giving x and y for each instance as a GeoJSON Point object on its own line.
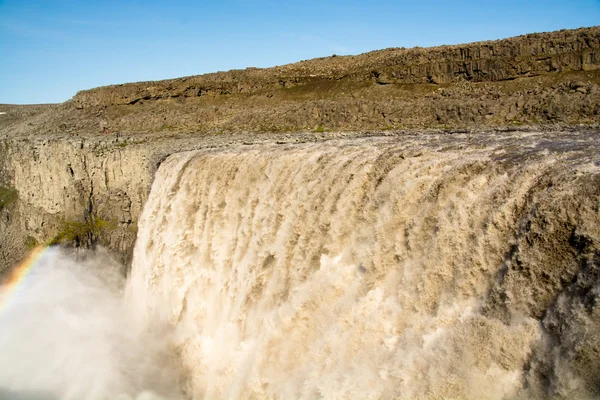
{"type": "Point", "coordinates": [77, 190]}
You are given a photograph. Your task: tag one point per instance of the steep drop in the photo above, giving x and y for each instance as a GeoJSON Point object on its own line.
{"type": "Point", "coordinates": [433, 266]}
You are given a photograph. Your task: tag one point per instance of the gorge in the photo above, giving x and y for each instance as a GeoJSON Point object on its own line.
{"type": "Point", "coordinates": [450, 257]}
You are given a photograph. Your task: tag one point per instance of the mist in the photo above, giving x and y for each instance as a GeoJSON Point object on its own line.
{"type": "Point", "coordinates": [67, 333]}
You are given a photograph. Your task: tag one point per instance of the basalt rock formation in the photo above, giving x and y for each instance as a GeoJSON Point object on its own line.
{"type": "Point", "coordinates": [537, 79]}
{"type": "Point", "coordinates": [524, 56]}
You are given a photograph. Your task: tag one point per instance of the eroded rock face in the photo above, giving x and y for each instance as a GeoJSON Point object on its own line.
{"type": "Point", "coordinates": [71, 181]}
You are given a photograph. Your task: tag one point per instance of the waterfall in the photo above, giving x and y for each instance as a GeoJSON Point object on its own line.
{"type": "Point", "coordinates": [384, 267]}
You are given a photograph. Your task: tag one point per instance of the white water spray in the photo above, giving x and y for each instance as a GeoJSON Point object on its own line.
{"type": "Point", "coordinates": [67, 334]}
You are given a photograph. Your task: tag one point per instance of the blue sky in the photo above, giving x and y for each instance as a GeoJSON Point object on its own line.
{"type": "Point", "coordinates": [51, 49]}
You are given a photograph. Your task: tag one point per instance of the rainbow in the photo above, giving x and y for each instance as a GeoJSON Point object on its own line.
{"type": "Point", "coordinates": [10, 283]}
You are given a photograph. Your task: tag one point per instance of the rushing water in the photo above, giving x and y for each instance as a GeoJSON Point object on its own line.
{"type": "Point", "coordinates": [354, 269]}
{"type": "Point", "coordinates": [404, 267]}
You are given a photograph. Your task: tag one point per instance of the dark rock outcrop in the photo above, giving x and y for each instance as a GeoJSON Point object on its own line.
{"type": "Point", "coordinates": [522, 56]}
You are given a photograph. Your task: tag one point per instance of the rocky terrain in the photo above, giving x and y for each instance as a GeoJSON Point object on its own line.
{"type": "Point", "coordinates": [63, 179]}
{"type": "Point", "coordinates": [537, 79]}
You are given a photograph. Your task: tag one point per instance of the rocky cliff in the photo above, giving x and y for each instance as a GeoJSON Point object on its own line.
{"type": "Point", "coordinates": [537, 79]}
{"type": "Point", "coordinates": [78, 191]}
{"type": "Point", "coordinates": [62, 179]}
{"type": "Point", "coordinates": [523, 56]}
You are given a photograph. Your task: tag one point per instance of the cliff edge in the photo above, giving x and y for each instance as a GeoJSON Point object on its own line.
{"type": "Point", "coordinates": [66, 175]}
{"type": "Point", "coordinates": [538, 79]}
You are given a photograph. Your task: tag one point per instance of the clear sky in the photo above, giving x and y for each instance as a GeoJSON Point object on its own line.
{"type": "Point", "coordinates": [51, 49]}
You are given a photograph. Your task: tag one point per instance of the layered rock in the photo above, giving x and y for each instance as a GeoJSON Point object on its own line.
{"type": "Point", "coordinates": [522, 56]}
{"type": "Point", "coordinates": [84, 191]}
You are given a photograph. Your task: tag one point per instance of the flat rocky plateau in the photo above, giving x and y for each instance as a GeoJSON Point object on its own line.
{"type": "Point", "coordinates": [545, 79]}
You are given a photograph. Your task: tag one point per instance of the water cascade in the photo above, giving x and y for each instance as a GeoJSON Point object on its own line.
{"type": "Point", "coordinates": [427, 266]}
